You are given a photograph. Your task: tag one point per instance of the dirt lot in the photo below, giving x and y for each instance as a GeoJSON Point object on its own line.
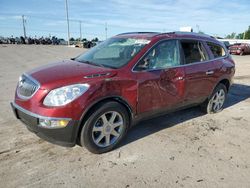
{"type": "Point", "coordinates": [183, 149]}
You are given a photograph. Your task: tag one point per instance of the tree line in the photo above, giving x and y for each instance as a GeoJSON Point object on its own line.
{"type": "Point", "coordinates": [244, 35]}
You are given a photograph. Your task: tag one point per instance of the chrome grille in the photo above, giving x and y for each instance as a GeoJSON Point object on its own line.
{"type": "Point", "coordinates": [27, 87]}
{"type": "Point", "coordinates": [233, 48]}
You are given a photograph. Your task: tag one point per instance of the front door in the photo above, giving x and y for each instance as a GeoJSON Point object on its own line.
{"type": "Point", "coordinates": [160, 78]}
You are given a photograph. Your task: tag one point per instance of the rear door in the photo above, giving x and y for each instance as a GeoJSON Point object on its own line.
{"type": "Point", "coordinates": [160, 78]}
{"type": "Point", "coordinates": [199, 71]}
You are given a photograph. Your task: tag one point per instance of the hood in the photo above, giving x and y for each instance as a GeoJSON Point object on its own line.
{"type": "Point", "coordinates": [236, 46]}
{"type": "Point", "coordinates": [68, 72]}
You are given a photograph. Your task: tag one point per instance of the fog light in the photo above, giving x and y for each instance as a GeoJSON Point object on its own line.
{"type": "Point", "coordinates": [47, 123]}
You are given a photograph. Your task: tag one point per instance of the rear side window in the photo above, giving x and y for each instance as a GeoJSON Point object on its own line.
{"type": "Point", "coordinates": [216, 50]}
{"type": "Point", "coordinates": [193, 51]}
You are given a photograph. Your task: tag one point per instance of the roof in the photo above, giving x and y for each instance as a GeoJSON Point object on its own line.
{"type": "Point", "coordinates": [144, 35]}
{"type": "Point", "coordinates": [150, 35]}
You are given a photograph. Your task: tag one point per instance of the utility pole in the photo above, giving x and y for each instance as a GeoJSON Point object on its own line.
{"type": "Point", "coordinates": [106, 30]}
{"type": "Point", "coordinates": [67, 17]}
{"type": "Point", "coordinates": [24, 29]}
{"type": "Point", "coordinates": [80, 22]}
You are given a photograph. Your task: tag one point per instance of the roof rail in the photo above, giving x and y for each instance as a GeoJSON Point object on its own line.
{"type": "Point", "coordinates": [128, 33]}
{"type": "Point", "coordinates": [167, 33]}
{"type": "Point", "coordinates": [187, 33]}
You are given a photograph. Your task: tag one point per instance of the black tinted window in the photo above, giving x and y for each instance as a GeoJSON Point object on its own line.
{"type": "Point", "coordinates": [193, 51]}
{"type": "Point", "coordinates": [216, 50]}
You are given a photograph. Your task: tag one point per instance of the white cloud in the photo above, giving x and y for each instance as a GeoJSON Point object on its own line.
{"type": "Point", "coordinates": [10, 17]}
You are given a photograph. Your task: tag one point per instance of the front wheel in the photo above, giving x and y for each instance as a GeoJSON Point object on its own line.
{"type": "Point", "coordinates": [215, 103]}
{"type": "Point", "coordinates": [105, 127]}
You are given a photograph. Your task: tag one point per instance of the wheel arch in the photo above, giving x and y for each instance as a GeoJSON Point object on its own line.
{"type": "Point", "coordinates": [225, 82]}
{"type": "Point", "coordinates": [99, 102]}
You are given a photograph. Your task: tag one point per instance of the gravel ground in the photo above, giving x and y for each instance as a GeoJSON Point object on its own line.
{"type": "Point", "coordinates": [182, 149]}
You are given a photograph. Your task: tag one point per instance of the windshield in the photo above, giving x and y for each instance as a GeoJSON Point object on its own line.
{"type": "Point", "coordinates": [114, 52]}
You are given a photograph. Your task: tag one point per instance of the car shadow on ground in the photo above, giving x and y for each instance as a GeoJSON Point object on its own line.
{"type": "Point", "coordinates": [237, 93]}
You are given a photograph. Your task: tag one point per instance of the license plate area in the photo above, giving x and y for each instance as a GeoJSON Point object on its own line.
{"type": "Point", "coordinates": [27, 119]}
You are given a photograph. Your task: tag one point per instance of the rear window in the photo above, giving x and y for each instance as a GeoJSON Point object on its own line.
{"type": "Point", "coordinates": [217, 50]}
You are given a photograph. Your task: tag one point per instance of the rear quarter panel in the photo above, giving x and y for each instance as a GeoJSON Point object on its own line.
{"type": "Point", "coordinates": [225, 69]}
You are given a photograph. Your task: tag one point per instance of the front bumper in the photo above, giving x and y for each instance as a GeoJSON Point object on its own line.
{"type": "Point", "coordinates": [237, 52]}
{"type": "Point", "coordinates": [62, 136]}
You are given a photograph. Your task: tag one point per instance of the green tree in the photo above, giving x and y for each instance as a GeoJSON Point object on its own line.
{"type": "Point", "coordinates": [95, 40]}
{"type": "Point", "coordinates": [247, 33]}
{"type": "Point", "coordinates": [240, 36]}
{"type": "Point", "coordinates": [231, 36]}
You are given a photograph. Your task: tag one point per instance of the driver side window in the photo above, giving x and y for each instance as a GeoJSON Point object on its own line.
{"type": "Point", "coordinates": [163, 55]}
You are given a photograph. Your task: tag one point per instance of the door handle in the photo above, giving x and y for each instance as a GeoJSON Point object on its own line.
{"type": "Point", "coordinates": [209, 72]}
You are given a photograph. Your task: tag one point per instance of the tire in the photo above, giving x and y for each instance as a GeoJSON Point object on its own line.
{"type": "Point", "coordinates": [215, 102]}
{"type": "Point", "coordinates": [105, 127]}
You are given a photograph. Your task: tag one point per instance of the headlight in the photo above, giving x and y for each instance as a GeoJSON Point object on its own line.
{"type": "Point", "coordinates": [64, 95]}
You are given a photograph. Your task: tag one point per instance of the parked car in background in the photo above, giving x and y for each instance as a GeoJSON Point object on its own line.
{"type": "Point", "coordinates": [240, 49]}
{"type": "Point", "coordinates": [4, 40]}
{"type": "Point", "coordinates": [89, 44]}
{"type": "Point", "coordinates": [47, 41]}
{"type": "Point", "coordinates": [62, 42]}
{"type": "Point", "coordinates": [93, 99]}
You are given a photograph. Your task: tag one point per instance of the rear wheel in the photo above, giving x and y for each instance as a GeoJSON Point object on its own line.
{"type": "Point", "coordinates": [216, 101]}
{"type": "Point", "coordinates": [105, 128]}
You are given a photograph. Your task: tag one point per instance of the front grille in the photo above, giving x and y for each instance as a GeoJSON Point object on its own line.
{"type": "Point", "coordinates": [27, 87]}
{"type": "Point", "coordinates": [233, 48]}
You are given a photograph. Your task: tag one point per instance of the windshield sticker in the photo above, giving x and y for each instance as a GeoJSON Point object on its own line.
{"type": "Point", "coordinates": [142, 41]}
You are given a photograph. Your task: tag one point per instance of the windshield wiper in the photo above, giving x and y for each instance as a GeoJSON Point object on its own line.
{"type": "Point", "coordinates": [96, 64]}
{"type": "Point", "coordinates": [90, 63]}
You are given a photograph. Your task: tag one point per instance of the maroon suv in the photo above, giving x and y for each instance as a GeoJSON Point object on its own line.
{"type": "Point", "coordinates": [93, 99]}
{"type": "Point", "coordinates": [240, 49]}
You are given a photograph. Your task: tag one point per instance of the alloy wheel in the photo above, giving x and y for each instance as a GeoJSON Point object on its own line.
{"type": "Point", "coordinates": [107, 129]}
{"type": "Point", "coordinates": [217, 100]}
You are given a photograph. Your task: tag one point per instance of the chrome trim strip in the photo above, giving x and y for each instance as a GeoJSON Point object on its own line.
{"type": "Point", "coordinates": [97, 75]}
{"type": "Point", "coordinates": [37, 115]}
{"type": "Point", "coordinates": [149, 70]}
{"type": "Point", "coordinates": [33, 80]}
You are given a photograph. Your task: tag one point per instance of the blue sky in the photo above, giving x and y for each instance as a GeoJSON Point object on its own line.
{"type": "Point", "coordinates": [44, 17]}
